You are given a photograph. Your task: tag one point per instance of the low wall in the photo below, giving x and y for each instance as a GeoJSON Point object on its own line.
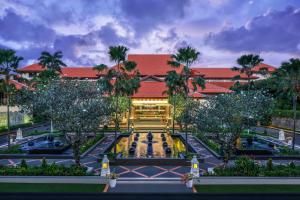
{"type": "Point", "coordinates": [285, 123]}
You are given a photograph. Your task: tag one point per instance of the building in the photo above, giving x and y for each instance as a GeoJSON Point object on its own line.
{"type": "Point", "coordinates": [150, 105]}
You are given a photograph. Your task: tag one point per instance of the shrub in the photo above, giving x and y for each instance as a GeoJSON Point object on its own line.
{"type": "Point", "coordinates": [270, 164]}
{"type": "Point", "coordinates": [246, 167]}
{"type": "Point", "coordinates": [285, 114]}
{"type": "Point", "coordinates": [44, 163]}
{"type": "Point", "coordinates": [23, 164]}
{"type": "Point", "coordinates": [90, 142]}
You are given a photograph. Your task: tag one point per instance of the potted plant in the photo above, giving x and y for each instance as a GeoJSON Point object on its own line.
{"type": "Point", "coordinates": [188, 180]}
{"type": "Point", "coordinates": [112, 179]}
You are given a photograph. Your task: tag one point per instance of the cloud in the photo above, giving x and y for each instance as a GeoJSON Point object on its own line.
{"type": "Point", "coordinates": [144, 16]}
{"type": "Point", "coordinates": [15, 27]}
{"type": "Point", "coordinates": [276, 31]}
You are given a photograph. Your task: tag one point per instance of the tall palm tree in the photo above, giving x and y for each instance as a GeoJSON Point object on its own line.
{"type": "Point", "coordinates": [288, 81]}
{"type": "Point", "coordinates": [122, 80]}
{"type": "Point", "coordinates": [9, 63]}
{"type": "Point", "coordinates": [184, 58]}
{"type": "Point", "coordinates": [53, 63]}
{"type": "Point", "coordinates": [246, 64]}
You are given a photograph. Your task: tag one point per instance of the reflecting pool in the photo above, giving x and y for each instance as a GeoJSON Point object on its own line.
{"type": "Point", "coordinates": [150, 145]}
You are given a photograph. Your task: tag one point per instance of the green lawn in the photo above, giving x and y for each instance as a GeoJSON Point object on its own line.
{"type": "Point", "coordinates": [247, 188]}
{"type": "Point", "coordinates": [50, 187]}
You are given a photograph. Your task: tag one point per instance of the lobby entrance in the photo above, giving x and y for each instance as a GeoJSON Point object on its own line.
{"type": "Point", "coordinates": [150, 113]}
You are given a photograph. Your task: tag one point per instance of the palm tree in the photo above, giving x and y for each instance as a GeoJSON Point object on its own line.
{"type": "Point", "coordinates": [184, 58]}
{"type": "Point", "coordinates": [52, 61]}
{"type": "Point", "coordinates": [122, 80]}
{"type": "Point", "coordinates": [53, 64]}
{"type": "Point", "coordinates": [246, 64]}
{"type": "Point", "coordinates": [288, 81]}
{"type": "Point", "coordinates": [9, 63]}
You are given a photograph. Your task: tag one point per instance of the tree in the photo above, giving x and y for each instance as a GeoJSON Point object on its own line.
{"type": "Point", "coordinates": [9, 63]}
{"type": "Point", "coordinates": [52, 61]}
{"type": "Point", "coordinates": [246, 64]}
{"type": "Point", "coordinates": [288, 82]}
{"type": "Point", "coordinates": [81, 108]}
{"type": "Point", "coordinates": [181, 83]}
{"type": "Point", "coordinates": [225, 116]}
{"type": "Point", "coordinates": [122, 80]}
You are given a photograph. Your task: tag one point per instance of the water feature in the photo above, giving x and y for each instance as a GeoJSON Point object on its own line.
{"type": "Point", "coordinates": [46, 145]}
{"type": "Point", "coordinates": [150, 145]}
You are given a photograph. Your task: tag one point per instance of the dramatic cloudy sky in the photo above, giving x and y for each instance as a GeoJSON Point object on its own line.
{"type": "Point", "coordinates": [221, 30]}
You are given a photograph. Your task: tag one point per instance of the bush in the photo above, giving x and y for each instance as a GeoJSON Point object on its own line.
{"type": "Point", "coordinates": [23, 164]}
{"type": "Point", "coordinates": [44, 163]}
{"type": "Point", "coordinates": [49, 170]}
{"type": "Point", "coordinates": [288, 151]}
{"type": "Point", "coordinates": [270, 164]}
{"type": "Point", "coordinates": [4, 128]}
{"type": "Point", "coordinates": [14, 149]}
{"type": "Point", "coordinates": [248, 167]}
{"type": "Point", "coordinates": [210, 143]}
{"type": "Point", "coordinates": [285, 114]}
{"type": "Point", "coordinates": [90, 142]}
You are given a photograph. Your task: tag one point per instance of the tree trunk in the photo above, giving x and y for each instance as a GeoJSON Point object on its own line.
{"type": "Point", "coordinates": [129, 114]}
{"type": "Point", "coordinates": [8, 120]}
{"type": "Point", "coordinates": [173, 120]}
{"type": "Point", "coordinates": [294, 119]}
{"type": "Point", "coordinates": [116, 126]}
{"type": "Point", "coordinates": [76, 152]}
{"type": "Point", "coordinates": [186, 140]}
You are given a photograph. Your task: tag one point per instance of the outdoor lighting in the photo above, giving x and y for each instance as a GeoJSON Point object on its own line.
{"type": "Point", "coordinates": [195, 167]}
{"type": "Point", "coordinates": [105, 166]}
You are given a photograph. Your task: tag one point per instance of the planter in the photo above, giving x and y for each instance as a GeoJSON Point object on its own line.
{"type": "Point", "coordinates": [112, 183]}
{"type": "Point", "coordinates": [189, 183]}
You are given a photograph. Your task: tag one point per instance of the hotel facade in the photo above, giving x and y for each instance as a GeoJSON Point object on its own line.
{"type": "Point", "coordinates": [150, 105]}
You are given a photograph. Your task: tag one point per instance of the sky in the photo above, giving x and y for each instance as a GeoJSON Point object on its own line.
{"type": "Point", "coordinates": [221, 30]}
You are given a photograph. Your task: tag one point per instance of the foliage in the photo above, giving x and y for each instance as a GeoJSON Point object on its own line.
{"type": "Point", "coordinates": [187, 177]}
{"type": "Point", "coordinates": [23, 164]}
{"type": "Point", "coordinates": [288, 151]}
{"type": "Point", "coordinates": [44, 163]}
{"type": "Point", "coordinates": [269, 164]}
{"type": "Point", "coordinates": [52, 61]}
{"type": "Point", "coordinates": [13, 149]}
{"type": "Point", "coordinates": [90, 142]}
{"type": "Point", "coordinates": [112, 176]}
{"type": "Point", "coordinates": [210, 143]}
{"type": "Point", "coordinates": [226, 116]}
{"type": "Point", "coordinates": [248, 167]}
{"type": "Point", "coordinates": [49, 170]}
{"type": "Point", "coordinates": [14, 127]}
{"type": "Point", "coordinates": [285, 114]}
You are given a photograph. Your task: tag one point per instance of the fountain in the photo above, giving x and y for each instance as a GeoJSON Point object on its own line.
{"type": "Point", "coordinates": [281, 135]}
{"type": "Point", "coordinates": [19, 135]}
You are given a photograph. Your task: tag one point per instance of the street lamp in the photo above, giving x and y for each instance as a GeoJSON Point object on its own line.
{"type": "Point", "coordinates": [195, 167]}
{"type": "Point", "coordinates": [105, 166]}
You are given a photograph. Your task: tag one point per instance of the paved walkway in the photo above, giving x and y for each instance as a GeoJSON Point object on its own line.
{"type": "Point", "coordinates": [150, 187]}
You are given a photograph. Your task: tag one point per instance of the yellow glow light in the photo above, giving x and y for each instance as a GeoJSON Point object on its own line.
{"type": "Point", "coordinates": [195, 166]}
{"type": "Point", "coordinates": [104, 165]}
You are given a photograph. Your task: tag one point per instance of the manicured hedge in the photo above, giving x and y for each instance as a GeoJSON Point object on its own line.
{"type": "Point", "coordinates": [248, 167]}
{"type": "Point", "coordinates": [4, 129]}
{"type": "Point", "coordinates": [46, 170]}
{"type": "Point", "coordinates": [210, 143]}
{"type": "Point", "coordinates": [285, 113]}
{"type": "Point", "coordinates": [90, 142]}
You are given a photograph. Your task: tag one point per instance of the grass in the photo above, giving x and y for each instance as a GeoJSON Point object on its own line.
{"type": "Point", "coordinates": [50, 187]}
{"type": "Point", "coordinates": [247, 188]}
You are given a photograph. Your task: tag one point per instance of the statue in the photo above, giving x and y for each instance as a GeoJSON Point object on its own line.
{"type": "Point", "coordinates": [19, 135]}
{"type": "Point", "coordinates": [281, 135]}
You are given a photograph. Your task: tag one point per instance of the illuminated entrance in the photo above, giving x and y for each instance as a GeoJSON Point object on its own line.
{"type": "Point", "coordinates": [150, 113]}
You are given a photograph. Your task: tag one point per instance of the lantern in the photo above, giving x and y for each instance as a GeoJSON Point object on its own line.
{"type": "Point", "coordinates": [105, 166]}
{"type": "Point", "coordinates": [195, 167]}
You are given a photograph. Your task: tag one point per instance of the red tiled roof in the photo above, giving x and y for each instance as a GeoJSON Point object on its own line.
{"type": "Point", "coordinates": [213, 89]}
{"type": "Point", "coordinates": [17, 84]}
{"type": "Point", "coordinates": [151, 89]}
{"type": "Point", "coordinates": [226, 84]}
{"type": "Point", "coordinates": [264, 66]}
{"type": "Point", "coordinates": [79, 72]}
{"type": "Point", "coordinates": [219, 73]}
{"type": "Point", "coordinates": [32, 68]}
{"type": "Point", "coordinates": [152, 64]}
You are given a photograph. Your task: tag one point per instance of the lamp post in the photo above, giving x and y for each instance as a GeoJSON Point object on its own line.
{"type": "Point", "coordinates": [195, 167]}
{"type": "Point", "coordinates": [105, 166]}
